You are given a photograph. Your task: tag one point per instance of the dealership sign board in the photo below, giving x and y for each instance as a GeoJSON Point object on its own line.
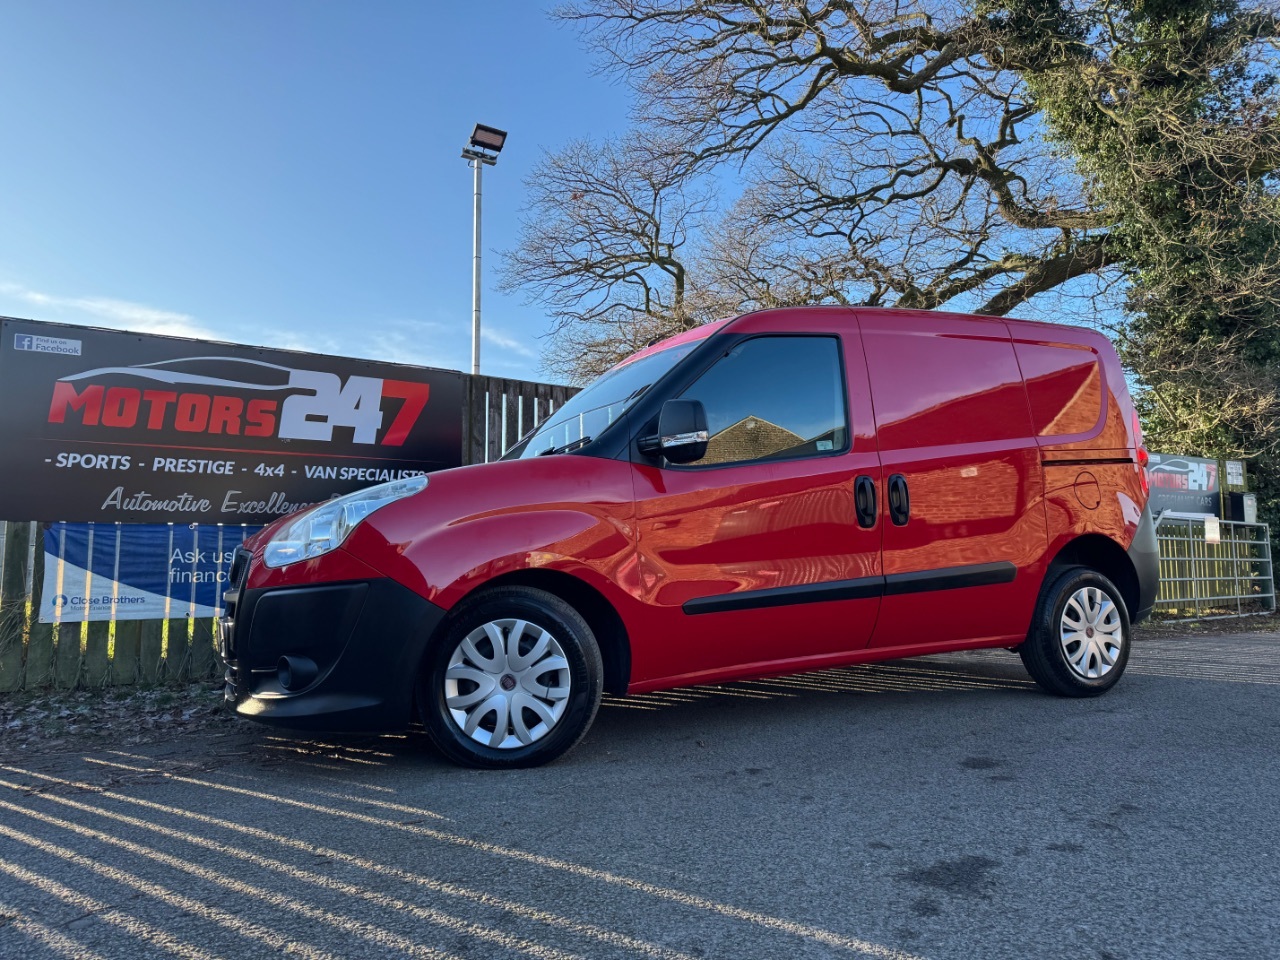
{"type": "Point", "coordinates": [136, 571]}
{"type": "Point", "coordinates": [1184, 484]}
{"type": "Point", "coordinates": [102, 425]}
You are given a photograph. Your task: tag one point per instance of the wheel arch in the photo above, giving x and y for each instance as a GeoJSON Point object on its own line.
{"type": "Point", "coordinates": [601, 616]}
{"type": "Point", "coordinates": [1108, 558]}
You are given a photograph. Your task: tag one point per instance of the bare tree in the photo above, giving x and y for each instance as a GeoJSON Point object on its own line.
{"type": "Point", "coordinates": [895, 144]}
{"type": "Point", "coordinates": [606, 247]}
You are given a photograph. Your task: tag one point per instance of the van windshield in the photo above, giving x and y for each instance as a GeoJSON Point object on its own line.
{"type": "Point", "coordinates": [607, 398]}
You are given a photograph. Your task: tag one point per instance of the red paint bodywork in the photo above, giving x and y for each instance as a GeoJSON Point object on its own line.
{"type": "Point", "coordinates": [973, 411]}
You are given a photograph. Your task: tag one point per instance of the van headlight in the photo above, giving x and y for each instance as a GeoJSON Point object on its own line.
{"type": "Point", "coordinates": [323, 528]}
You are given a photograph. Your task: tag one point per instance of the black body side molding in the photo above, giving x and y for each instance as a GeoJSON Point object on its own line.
{"type": "Point", "coordinates": [950, 578]}
{"type": "Point", "coordinates": [863, 588]}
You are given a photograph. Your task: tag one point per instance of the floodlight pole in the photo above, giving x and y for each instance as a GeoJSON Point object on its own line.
{"type": "Point", "coordinates": [485, 145]}
{"type": "Point", "coordinates": [477, 161]}
{"type": "Point", "coordinates": [477, 165]}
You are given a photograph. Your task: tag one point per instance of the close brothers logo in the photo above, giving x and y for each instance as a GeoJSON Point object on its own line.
{"type": "Point", "coordinates": [62, 601]}
{"type": "Point", "coordinates": [194, 395]}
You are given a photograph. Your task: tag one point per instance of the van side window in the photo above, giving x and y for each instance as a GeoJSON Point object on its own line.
{"type": "Point", "coordinates": [1064, 384]}
{"type": "Point", "coordinates": [773, 398]}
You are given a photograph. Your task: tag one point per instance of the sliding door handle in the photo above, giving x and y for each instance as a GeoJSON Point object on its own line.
{"type": "Point", "coordinates": [899, 500]}
{"type": "Point", "coordinates": [864, 499]}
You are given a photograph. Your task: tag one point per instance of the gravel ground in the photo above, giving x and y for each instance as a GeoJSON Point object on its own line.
{"type": "Point", "coordinates": [32, 723]}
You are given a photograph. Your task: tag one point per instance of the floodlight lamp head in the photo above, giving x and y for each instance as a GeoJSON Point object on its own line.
{"type": "Point", "coordinates": [488, 138]}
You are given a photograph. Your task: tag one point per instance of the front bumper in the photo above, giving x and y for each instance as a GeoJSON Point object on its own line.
{"type": "Point", "coordinates": [355, 647]}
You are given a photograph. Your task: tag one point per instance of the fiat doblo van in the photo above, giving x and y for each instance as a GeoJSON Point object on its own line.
{"type": "Point", "coordinates": [783, 491]}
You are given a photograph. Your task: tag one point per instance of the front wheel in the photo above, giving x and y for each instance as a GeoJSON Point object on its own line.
{"type": "Point", "coordinates": [1079, 640]}
{"type": "Point", "coordinates": [515, 681]}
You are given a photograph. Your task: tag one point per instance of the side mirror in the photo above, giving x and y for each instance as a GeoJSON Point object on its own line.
{"type": "Point", "coordinates": [682, 432]}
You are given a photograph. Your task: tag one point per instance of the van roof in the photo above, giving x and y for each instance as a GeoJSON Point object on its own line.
{"type": "Point", "coordinates": [705, 330]}
{"type": "Point", "coordinates": [895, 311]}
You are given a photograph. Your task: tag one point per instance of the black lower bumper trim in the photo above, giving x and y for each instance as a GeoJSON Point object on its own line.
{"type": "Point", "coordinates": [1144, 552]}
{"type": "Point", "coordinates": [366, 637]}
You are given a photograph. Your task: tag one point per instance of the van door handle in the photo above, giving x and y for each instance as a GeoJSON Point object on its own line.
{"type": "Point", "coordinates": [864, 499]}
{"type": "Point", "coordinates": [899, 500]}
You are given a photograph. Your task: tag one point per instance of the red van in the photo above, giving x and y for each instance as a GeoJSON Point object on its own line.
{"type": "Point", "coordinates": [783, 491]}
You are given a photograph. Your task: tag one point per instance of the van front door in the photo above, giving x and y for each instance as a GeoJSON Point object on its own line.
{"type": "Point", "coordinates": [964, 523]}
{"type": "Point", "coordinates": [754, 554]}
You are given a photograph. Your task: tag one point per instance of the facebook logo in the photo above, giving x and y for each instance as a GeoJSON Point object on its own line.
{"type": "Point", "coordinates": [35, 344]}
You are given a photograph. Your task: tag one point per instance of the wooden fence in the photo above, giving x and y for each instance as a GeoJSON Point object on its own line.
{"type": "Point", "coordinates": [499, 412]}
{"type": "Point", "coordinates": [36, 655]}
{"type": "Point", "coordinates": [72, 654]}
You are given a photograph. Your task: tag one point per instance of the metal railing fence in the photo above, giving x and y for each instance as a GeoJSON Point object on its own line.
{"type": "Point", "coordinates": [1200, 580]}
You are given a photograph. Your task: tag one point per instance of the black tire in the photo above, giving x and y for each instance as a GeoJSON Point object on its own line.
{"type": "Point", "coordinates": [1043, 651]}
{"type": "Point", "coordinates": [549, 615]}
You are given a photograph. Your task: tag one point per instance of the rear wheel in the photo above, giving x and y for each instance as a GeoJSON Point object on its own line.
{"type": "Point", "coordinates": [1079, 640]}
{"type": "Point", "coordinates": [515, 681]}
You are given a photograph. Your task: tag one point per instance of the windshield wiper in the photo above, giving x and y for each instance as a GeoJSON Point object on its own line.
{"type": "Point", "coordinates": [565, 448]}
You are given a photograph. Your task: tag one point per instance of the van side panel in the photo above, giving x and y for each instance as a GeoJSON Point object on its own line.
{"type": "Point", "coordinates": [1084, 422]}
{"type": "Point", "coordinates": [953, 419]}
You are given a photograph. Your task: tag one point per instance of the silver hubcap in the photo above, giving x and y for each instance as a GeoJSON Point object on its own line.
{"type": "Point", "coordinates": [507, 684]}
{"type": "Point", "coordinates": [1092, 633]}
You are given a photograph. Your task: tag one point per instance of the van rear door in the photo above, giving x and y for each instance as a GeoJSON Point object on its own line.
{"type": "Point", "coordinates": [964, 525]}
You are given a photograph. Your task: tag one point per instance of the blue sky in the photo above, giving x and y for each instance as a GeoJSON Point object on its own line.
{"type": "Point", "coordinates": [281, 173]}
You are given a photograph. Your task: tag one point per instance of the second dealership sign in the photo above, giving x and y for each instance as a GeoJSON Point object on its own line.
{"type": "Point", "coordinates": [110, 426]}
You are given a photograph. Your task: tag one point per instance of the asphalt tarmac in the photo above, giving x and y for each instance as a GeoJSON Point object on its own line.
{"type": "Point", "coordinates": [939, 808]}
